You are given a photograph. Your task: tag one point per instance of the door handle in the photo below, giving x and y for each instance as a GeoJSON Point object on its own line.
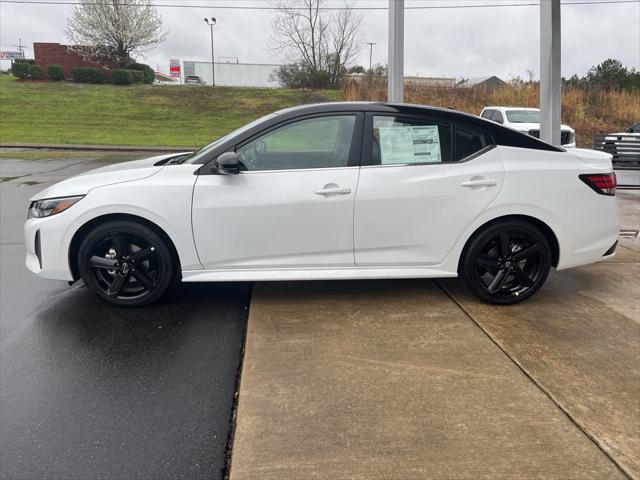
{"type": "Point", "coordinates": [333, 191]}
{"type": "Point", "coordinates": [480, 183]}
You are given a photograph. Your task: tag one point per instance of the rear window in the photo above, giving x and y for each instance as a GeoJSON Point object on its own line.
{"type": "Point", "coordinates": [523, 116]}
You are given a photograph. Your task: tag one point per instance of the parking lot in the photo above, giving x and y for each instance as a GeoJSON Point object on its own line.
{"type": "Point", "coordinates": [369, 379]}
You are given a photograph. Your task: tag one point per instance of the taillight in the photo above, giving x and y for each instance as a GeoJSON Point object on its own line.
{"type": "Point", "coordinates": [602, 183]}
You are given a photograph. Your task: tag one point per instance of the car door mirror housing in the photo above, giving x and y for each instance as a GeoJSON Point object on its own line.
{"type": "Point", "coordinates": [227, 164]}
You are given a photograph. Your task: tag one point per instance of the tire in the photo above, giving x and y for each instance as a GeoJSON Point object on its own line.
{"type": "Point", "coordinates": [126, 263]}
{"type": "Point", "coordinates": [512, 278]}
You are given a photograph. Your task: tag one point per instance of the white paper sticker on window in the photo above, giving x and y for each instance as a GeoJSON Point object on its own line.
{"type": "Point", "coordinates": [409, 145]}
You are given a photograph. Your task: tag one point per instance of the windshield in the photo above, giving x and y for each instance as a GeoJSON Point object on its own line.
{"type": "Point", "coordinates": [195, 156]}
{"type": "Point", "coordinates": [523, 116]}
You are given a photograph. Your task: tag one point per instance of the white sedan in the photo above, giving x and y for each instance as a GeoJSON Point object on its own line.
{"type": "Point", "coordinates": [333, 191]}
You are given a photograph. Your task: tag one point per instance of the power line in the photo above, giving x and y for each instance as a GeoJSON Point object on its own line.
{"type": "Point", "coordinates": [258, 7]}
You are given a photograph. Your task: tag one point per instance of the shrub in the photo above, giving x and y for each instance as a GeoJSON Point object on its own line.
{"type": "Point", "coordinates": [20, 67]}
{"type": "Point", "coordinates": [148, 75]}
{"type": "Point", "coordinates": [123, 76]}
{"type": "Point", "coordinates": [35, 72]}
{"type": "Point", "coordinates": [301, 76]}
{"type": "Point", "coordinates": [138, 76]}
{"type": "Point", "coordinates": [55, 72]}
{"type": "Point", "coordinates": [88, 75]}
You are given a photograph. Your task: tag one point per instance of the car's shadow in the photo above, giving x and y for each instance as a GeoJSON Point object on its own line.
{"type": "Point", "coordinates": [80, 313]}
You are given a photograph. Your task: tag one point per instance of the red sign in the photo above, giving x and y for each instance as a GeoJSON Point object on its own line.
{"type": "Point", "coordinates": [174, 68]}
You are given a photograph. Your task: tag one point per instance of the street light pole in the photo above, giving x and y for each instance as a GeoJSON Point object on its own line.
{"type": "Point", "coordinates": [211, 23]}
{"type": "Point", "coordinates": [371, 44]}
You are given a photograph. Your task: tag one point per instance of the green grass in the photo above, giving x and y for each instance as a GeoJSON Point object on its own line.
{"type": "Point", "coordinates": [33, 112]}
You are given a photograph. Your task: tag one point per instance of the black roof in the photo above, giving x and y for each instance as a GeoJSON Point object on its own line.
{"type": "Point", "coordinates": [382, 107]}
{"type": "Point", "coordinates": [501, 134]}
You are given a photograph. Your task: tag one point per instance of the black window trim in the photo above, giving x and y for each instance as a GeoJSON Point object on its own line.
{"type": "Point", "coordinates": [485, 139]}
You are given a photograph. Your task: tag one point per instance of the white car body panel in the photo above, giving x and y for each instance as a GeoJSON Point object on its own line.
{"type": "Point", "coordinates": [274, 219]}
{"type": "Point", "coordinates": [399, 214]}
{"type": "Point", "coordinates": [164, 198]}
{"type": "Point", "coordinates": [392, 221]}
{"type": "Point", "coordinates": [103, 176]}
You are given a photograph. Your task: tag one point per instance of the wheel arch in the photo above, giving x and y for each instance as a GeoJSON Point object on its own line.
{"type": "Point", "coordinates": [79, 235]}
{"type": "Point", "coordinates": [545, 229]}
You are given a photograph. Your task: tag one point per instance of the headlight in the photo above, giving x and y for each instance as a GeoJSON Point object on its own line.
{"type": "Point", "coordinates": [51, 206]}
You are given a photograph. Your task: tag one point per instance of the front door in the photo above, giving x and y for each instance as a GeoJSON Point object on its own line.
{"type": "Point", "coordinates": [290, 207]}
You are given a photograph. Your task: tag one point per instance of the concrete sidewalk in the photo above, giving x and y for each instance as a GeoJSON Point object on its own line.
{"type": "Point", "coordinates": [579, 340]}
{"type": "Point", "coordinates": [392, 380]}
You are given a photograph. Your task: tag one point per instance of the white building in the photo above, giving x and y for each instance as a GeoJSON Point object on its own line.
{"type": "Point", "coordinates": [234, 74]}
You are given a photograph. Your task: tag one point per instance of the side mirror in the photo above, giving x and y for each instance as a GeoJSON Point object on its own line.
{"type": "Point", "coordinates": [228, 164]}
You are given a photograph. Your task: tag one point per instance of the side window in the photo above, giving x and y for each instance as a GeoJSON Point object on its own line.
{"type": "Point", "coordinates": [466, 143]}
{"type": "Point", "coordinates": [497, 116]}
{"type": "Point", "coordinates": [487, 113]}
{"type": "Point", "coordinates": [398, 140]}
{"type": "Point", "coordinates": [318, 142]}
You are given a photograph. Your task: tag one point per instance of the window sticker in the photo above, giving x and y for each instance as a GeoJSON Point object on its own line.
{"type": "Point", "coordinates": [419, 144]}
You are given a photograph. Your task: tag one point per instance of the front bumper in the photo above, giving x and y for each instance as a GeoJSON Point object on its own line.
{"type": "Point", "coordinates": [47, 249]}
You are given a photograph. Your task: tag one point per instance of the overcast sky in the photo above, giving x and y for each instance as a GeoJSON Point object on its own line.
{"type": "Point", "coordinates": [464, 42]}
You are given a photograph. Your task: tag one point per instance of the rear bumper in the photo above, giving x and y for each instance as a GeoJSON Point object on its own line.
{"type": "Point", "coordinates": [591, 234]}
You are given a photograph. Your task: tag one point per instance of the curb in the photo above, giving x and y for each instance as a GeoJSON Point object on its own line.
{"type": "Point", "coordinates": [106, 148]}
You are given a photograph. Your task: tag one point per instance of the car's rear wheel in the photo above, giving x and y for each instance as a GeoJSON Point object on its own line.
{"type": "Point", "coordinates": [125, 263]}
{"type": "Point", "coordinates": [507, 262]}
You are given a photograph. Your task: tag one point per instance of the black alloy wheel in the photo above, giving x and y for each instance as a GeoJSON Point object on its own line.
{"type": "Point", "coordinates": [125, 263]}
{"type": "Point", "coordinates": [507, 263]}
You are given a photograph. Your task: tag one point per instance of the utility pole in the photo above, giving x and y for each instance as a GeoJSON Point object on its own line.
{"type": "Point", "coordinates": [20, 47]}
{"type": "Point", "coordinates": [213, 62]}
{"type": "Point", "coordinates": [371, 44]}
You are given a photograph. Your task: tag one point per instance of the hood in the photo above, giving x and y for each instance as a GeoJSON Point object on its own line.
{"type": "Point", "coordinates": [594, 157]}
{"type": "Point", "coordinates": [535, 126]}
{"type": "Point", "coordinates": [109, 175]}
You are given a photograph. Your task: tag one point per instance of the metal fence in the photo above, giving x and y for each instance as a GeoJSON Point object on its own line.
{"type": "Point", "coordinates": [624, 148]}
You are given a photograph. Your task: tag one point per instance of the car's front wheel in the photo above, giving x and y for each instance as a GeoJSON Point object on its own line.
{"type": "Point", "coordinates": [507, 262]}
{"type": "Point", "coordinates": [125, 263]}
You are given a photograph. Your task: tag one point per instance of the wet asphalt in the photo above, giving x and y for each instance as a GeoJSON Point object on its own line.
{"type": "Point", "coordinates": [90, 391]}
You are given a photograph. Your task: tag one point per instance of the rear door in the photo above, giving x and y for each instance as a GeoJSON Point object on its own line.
{"type": "Point", "coordinates": [292, 206]}
{"type": "Point", "coordinates": [426, 181]}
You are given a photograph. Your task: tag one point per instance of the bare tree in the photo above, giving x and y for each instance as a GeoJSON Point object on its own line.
{"type": "Point", "coordinates": [114, 29]}
{"type": "Point", "coordinates": [531, 73]}
{"type": "Point", "coordinates": [321, 44]}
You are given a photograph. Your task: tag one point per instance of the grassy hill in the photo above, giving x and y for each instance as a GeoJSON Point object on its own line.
{"type": "Point", "coordinates": [39, 112]}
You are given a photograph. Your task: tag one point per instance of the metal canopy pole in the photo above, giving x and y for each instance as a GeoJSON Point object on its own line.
{"type": "Point", "coordinates": [550, 102]}
{"type": "Point", "coordinates": [395, 65]}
